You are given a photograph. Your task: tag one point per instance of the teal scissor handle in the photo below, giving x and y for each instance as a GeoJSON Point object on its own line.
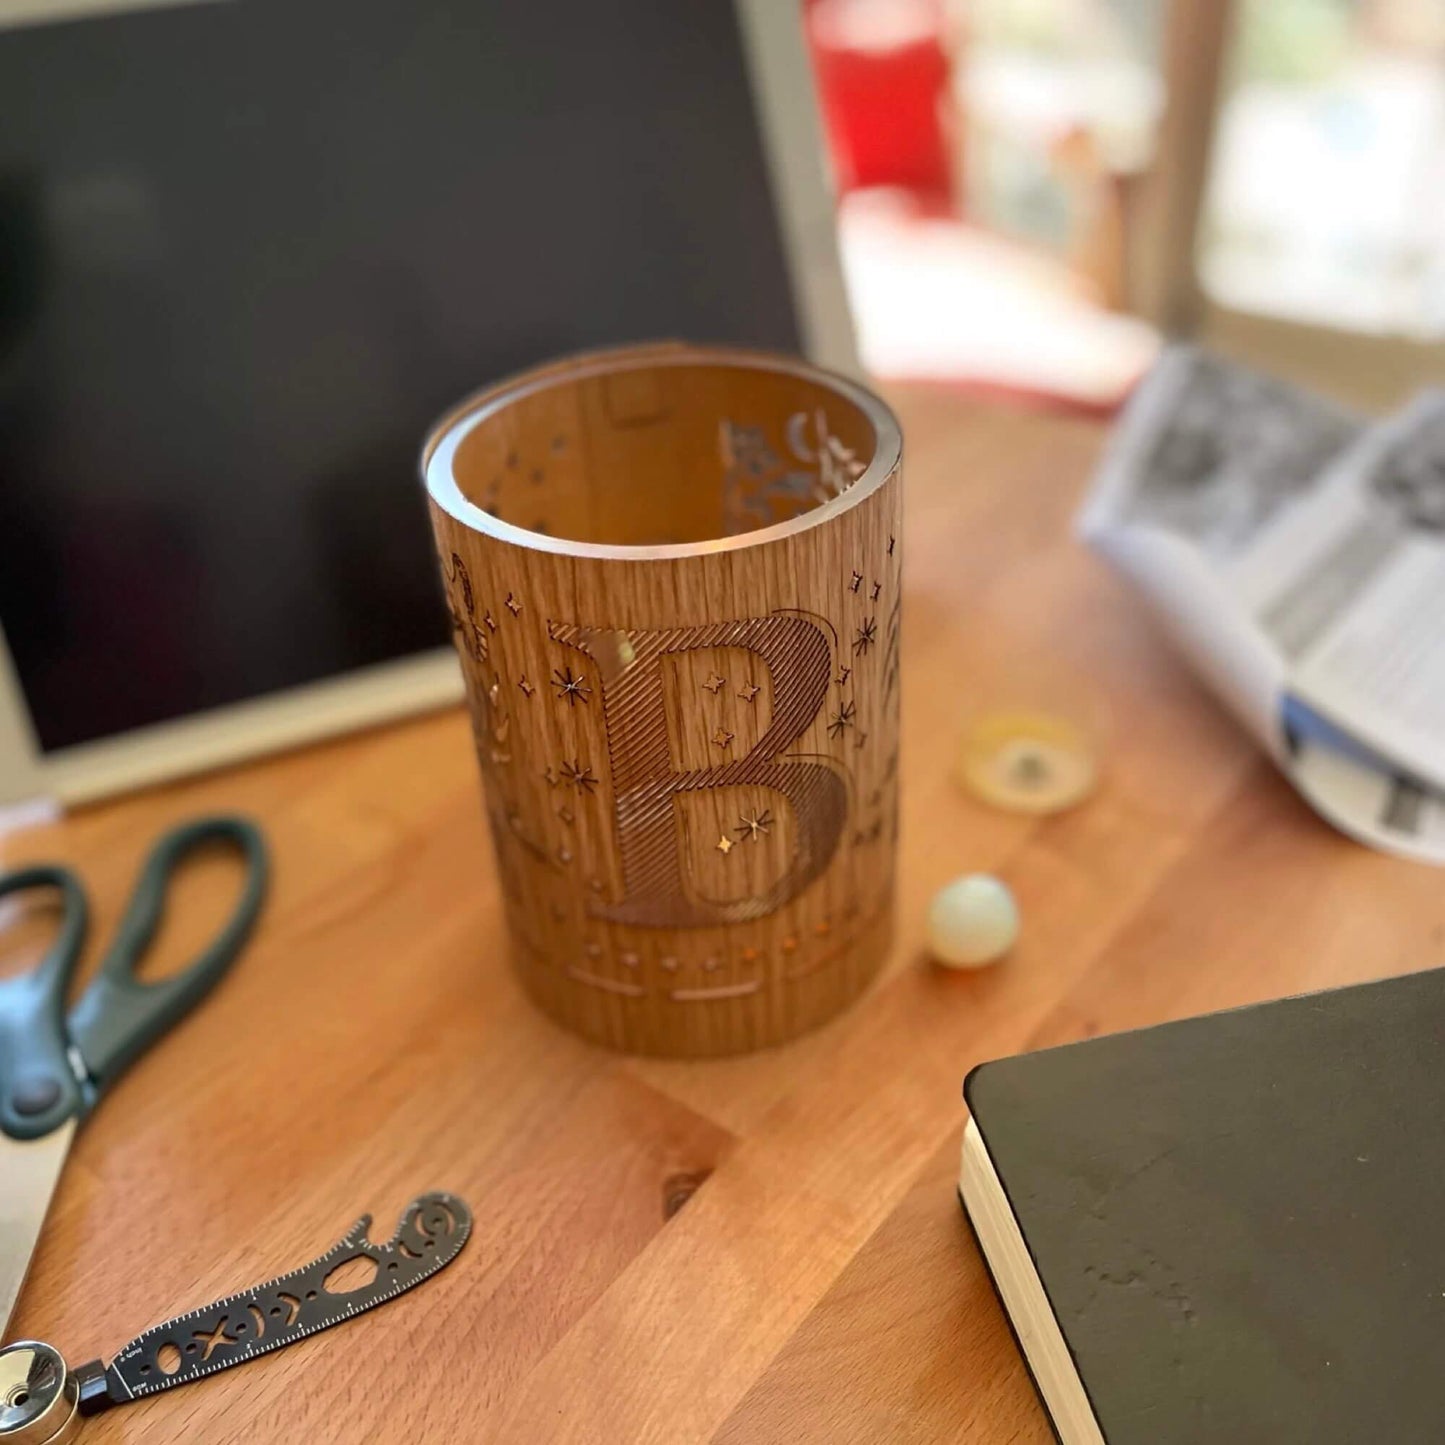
{"type": "Point", "coordinates": [38, 1086]}
{"type": "Point", "coordinates": [118, 1016]}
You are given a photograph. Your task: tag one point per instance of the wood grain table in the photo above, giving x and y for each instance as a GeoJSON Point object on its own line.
{"type": "Point", "coordinates": [759, 1249]}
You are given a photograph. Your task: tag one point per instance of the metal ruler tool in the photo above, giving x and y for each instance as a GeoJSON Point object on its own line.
{"type": "Point", "coordinates": [43, 1402]}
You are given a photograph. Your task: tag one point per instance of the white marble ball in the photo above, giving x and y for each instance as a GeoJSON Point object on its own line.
{"type": "Point", "coordinates": [972, 921]}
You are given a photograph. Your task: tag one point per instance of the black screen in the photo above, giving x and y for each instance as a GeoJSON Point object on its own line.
{"type": "Point", "coordinates": [249, 250]}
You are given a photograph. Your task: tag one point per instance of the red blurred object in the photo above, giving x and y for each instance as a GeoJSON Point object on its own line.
{"type": "Point", "coordinates": [883, 79]}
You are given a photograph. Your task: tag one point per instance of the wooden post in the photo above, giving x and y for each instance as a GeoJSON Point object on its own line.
{"type": "Point", "coordinates": [1165, 286]}
{"type": "Point", "coordinates": [674, 582]}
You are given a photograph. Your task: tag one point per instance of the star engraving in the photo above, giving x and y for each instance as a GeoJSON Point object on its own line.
{"type": "Point", "coordinates": [564, 855]}
{"type": "Point", "coordinates": [860, 739]}
{"type": "Point", "coordinates": [513, 606]}
{"type": "Point", "coordinates": [580, 777]}
{"type": "Point", "coordinates": [574, 689]}
{"type": "Point", "coordinates": [566, 815]}
{"type": "Point", "coordinates": [723, 738]}
{"type": "Point", "coordinates": [877, 588]}
{"type": "Point", "coordinates": [490, 621]}
{"type": "Point", "coordinates": [844, 673]}
{"type": "Point", "coordinates": [856, 582]}
{"type": "Point", "coordinates": [715, 684]}
{"type": "Point", "coordinates": [866, 637]}
{"type": "Point", "coordinates": [750, 692]}
{"type": "Point", "coordinates": [724, 845]}
{"type": "Point", "coordinates": [552, 776]}
{"type": "Point", "coordinates": [841, 720]}
{"type": "Point", "coordinates": [527, 688]}
{"type": "Point", "coordinates": [755, 826]}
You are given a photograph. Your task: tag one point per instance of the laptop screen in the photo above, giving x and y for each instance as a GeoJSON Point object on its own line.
{"type": "Point", "coordinates": [250, 249]}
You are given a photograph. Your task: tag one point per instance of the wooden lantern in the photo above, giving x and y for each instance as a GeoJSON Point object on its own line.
{"type": "Point", "coordinates": [674, 581]}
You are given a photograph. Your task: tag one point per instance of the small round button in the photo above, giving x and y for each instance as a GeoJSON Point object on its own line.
{"type": "Point", "coordinates": [35, 1095]}
{"type": "Point", "coordinates": [1026, 761]}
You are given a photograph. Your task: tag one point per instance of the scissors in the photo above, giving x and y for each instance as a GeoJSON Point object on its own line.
{"type": "Point", "coordinates": [54, 1066]}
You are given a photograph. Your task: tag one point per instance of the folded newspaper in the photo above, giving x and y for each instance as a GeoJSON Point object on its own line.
{"type": "Point", "coordinates": [1296, 553]}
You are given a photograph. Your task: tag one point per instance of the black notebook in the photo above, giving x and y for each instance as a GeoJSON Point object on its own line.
{"type": "Point", "coordinates": [1229, 1229]}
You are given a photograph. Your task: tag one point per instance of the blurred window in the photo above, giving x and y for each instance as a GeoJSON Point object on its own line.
{"type": "Point", "coordinates": [1059, 94]}
{"type": "Point", "coordinates": [1326, 201]}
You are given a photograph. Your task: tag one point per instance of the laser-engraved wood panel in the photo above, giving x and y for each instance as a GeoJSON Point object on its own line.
{"type": "Point", "coordinates": [681, 663]}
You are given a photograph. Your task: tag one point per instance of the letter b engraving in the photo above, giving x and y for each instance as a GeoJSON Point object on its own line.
{"type": "Point", "coordinates": [647, 781]}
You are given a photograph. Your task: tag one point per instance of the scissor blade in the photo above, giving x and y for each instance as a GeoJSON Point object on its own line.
{"type": "Point", "coordinates": [28, 1172]}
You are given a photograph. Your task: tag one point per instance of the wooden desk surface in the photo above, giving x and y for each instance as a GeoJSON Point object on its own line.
{"type": "Point", "coordinates": [820, 1283]}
